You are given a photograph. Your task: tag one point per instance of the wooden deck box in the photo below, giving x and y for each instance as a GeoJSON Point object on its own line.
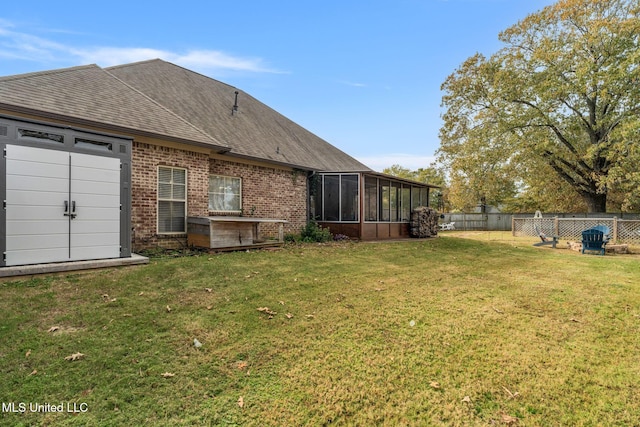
{"type": "Point", "coordinates": [230, 232]}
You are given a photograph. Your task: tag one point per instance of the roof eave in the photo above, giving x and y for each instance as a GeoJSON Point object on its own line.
{"type": "Point", "coordinates": [111, 127]}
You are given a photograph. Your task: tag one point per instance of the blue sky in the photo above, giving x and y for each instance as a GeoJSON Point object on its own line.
{"type": "Point", "coordinates": [364, 75]}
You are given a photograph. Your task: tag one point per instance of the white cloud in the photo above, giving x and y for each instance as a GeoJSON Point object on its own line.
{"type": "Point", "coordinates": [348, 83]}
{"type": "Point", "coordinates": [27, 47]}
{"type": "Point", "coordinates": [409, 161]}
{"type": "Point", "coordinates": [194, 59]}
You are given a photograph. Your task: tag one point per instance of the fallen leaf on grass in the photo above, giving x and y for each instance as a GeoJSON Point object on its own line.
{"type": "Point", "coordinates": [168, 309]}
{"type": "Point", "coordinates": [28, 353]}
{"type": "Point", "coordinates": [208, 289]}
{"type": "Point", "coordinates": [53, 328]}
{"type": "Point", "coordinates": [289, 316]}
{"type": "Point", "coordinates": [497, 311]}
{"type": "Point", "coordinates": [435, 385]}
{"type": "Point", "coordinates": [209, 307]}
{"type": "Point", "coordinates": [242, 364]}
{"type": "Point", "coordinates": [281, 302]}
{"type": "Point", "coordinates": [508, 419]}
{"type": "Point", "coordinates": [140, 294]}
{"type": "Point", "coordinates": [310, 316]}
{"type": "Point", "coordinates": [575, 320]}
{"type": "Point", "coordinates": [267, 310]}
{"type": "Point", "coordinates": [241, 402]}
{"type": "Point", "coordinates": [511, 395]}
{"type": "Point", "coordinates": [35, 371]}
{"type": "Point", "coordinates": [106, 298]}
{"type": "Point", "coordinates": [74, 357]}
{"type": "Point", "coordinates": [167, 375]}
{"type": "Point", "coordinates": [466, 399]}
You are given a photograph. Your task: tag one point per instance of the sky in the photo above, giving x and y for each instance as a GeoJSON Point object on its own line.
{"type": "Point", "coordinates": [364, 75]}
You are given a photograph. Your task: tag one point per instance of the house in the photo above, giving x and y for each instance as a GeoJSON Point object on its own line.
{"type": "Point", "coordinates": [100, 162]}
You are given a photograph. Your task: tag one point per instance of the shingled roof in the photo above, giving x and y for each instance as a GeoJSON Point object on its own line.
{"type": "Point", "coordinates": [254, 130]}
{"type": "Point", "coordinates": [89, 95]}
{"type": "Point", "coordinates": [159, 98]}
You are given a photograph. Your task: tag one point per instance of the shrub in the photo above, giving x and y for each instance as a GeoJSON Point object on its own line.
{"type": "Point", "coordinates": [313, 232]}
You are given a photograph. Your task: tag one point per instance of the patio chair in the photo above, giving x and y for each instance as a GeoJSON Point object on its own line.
{"type": "Point", "coordinates": [595, 239]}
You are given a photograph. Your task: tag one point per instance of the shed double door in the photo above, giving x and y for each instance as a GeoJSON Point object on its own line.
{"type": "Point", "coordinates": [60, 206]}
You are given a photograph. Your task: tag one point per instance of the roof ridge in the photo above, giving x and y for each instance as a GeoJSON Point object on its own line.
{"type": "Point", "coordinates": [165, 108]}
{"type": "Point", "coordinates": [47, 72]}
{"type": "Point", "coordinates": [132, 64]}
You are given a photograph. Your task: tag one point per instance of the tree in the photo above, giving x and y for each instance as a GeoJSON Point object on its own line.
{"type": "Point", "coordinates": [430, 175]}
{"type": "Point", "coordinates": [558, 95]}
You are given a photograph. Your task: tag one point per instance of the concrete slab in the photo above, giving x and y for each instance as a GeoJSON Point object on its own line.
{"type": "Point", "coordinates": [57, 267]}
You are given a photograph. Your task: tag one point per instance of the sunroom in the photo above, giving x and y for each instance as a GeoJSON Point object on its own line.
{"type": "Point", "coordinates": [366, 205]}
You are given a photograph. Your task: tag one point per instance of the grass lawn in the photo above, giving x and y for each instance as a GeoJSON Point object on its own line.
{"type": "Point", "coordinates": [464, 329]}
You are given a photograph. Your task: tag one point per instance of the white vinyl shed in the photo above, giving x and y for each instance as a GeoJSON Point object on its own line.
{"type": "Point", "coordinates": [66, 194]}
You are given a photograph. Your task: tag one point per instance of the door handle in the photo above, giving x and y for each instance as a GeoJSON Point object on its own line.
{"type": "Point", "coordinates": [73, 213]}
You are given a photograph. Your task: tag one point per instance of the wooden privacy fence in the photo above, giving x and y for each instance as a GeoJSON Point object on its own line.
{"type": "Point", "coordinates": [622, 230]}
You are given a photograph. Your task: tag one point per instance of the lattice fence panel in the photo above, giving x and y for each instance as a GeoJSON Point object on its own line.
{"type": "Point", "coordinates": [629, 231]}
{"type": "Point", "coordinates": [528, 226]}
{"type": "Point", "coordinates": [572, 228]}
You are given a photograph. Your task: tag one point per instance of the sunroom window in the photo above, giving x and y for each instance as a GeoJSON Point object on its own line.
{"type": "Point", "coordinates": [335, 197]}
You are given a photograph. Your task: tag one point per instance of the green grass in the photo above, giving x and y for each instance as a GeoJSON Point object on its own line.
{"type": "Point", "coordinates": [451, 331]}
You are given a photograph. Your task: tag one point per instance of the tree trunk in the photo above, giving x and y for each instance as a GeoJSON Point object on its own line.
{"type": "Point", "coordinates": [596, 203]}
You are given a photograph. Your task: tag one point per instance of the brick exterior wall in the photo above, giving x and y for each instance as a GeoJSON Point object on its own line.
{"type": "Point", "coordinates": [266, 192]}
{"type": "Point", "coordinates": [145, 159]}
{"type": "Point", "coordinates": [269, 193]}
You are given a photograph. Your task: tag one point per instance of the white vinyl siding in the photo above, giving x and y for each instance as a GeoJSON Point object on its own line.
{"type": "Point", "coordinates": [172, 200]}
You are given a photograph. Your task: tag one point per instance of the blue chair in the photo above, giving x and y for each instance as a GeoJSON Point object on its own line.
{"type": "Point", "coordinates": [595, 239]}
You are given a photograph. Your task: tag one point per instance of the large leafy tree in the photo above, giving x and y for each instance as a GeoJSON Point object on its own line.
{"type": "Point", "coordinates": [429, 175]}
{"type": "Point", "coordinates": [558, 102]}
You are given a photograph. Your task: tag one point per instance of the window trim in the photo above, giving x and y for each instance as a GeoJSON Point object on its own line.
{"type": "Point", "coordinates": [323, 193]}
{"type": "Point", "coordinates": [241, 187]}
{"type": "Point", "coordinates": [159, 199]}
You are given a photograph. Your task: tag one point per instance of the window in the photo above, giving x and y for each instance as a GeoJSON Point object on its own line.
{"type": "Point", "coordinates": [349, 198]}
{"type": "Point", "coordinates": [415, 198]}
{"type": "Point", "coordinates": [36, 135]}
{"type": "Point", "coordinates": [385, 191]}
{"type": "Point", "coordinates": [172, 200]}
{"type": "Point", "coordinates": [370, 199]}
{"type": "Point", "coordinates": [225, 194]}
{"type": "Point", "coordinates": [394, 201]}
{"type": "Point", "coordinates": [332, 197]}
{"type": "Point", "coordinates": [424, 196]}
{"type": "Point", "coordinates": [335, 197]}
{"type": "Point", "coordinates": [405, 204]}
{"type": "Point", "coordinates": [93, 145]}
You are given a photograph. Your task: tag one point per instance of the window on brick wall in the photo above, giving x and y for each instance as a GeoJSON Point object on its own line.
{"type": "Point", "coordinates": [225, 194]}
{"type": "Point", "coordinates": [172, 200]}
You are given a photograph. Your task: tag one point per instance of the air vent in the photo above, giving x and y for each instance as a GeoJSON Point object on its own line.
{"type": "Point", "coordinates": [3, 130]}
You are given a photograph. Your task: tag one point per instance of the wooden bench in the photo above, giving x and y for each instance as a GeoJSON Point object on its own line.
{"type": "Point", "coordinates": [595, 239]}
